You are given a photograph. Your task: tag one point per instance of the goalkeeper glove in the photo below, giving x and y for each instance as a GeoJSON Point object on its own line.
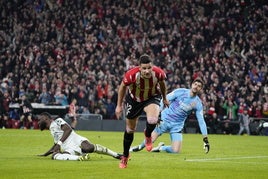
{"type": "Point", "coordinates": [206, 145]}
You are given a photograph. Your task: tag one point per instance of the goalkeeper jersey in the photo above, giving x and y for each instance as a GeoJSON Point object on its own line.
{"type": "Point", "coordinates": [182, 104]}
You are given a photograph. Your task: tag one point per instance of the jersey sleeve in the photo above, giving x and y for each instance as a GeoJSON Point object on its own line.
{"type": "Point", "coordinates": [200, 118]}
{"type": "Point", "coordinates": [60, 122]}
{"type": "Point", "coordinates": [170, 97]}
{"type": "Point", "coordinates": [129, 76]}
{"type": "Point", "coordinates": [161, 75]}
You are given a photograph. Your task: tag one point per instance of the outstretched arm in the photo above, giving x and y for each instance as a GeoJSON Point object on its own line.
{"type": "Point", "coordinates": [203, 128]}
{"type": "Point", "coordinates": [56, 147]}
{"type": "Point", "coordinates": [50, 151]}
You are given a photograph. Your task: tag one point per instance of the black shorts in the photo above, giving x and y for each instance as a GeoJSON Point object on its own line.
{"type": "Point", "coordinates": [135, 109]}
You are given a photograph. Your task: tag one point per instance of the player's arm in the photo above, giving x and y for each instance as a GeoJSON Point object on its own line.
{"type": "Point", "coordinates": [121, 94]}
{"type": "Point", "coordinates": [56, 147]}
{"type": "Point", "coordinates": [203, 127]}
{"type": "Point", "coordinates": [67, 130]}
{"type": "Point", "coordinates": [163, 89]}
{"type": "Point", "coordinates": [50, 151]}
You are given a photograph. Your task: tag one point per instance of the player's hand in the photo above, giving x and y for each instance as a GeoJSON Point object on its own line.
{"type": "Point", "coordinates": [118, 111]}
{"type": "Point", "coordinates": [56, 148]}
{"type": "Point", "coordinates": [41, 155]}
{"type": "Point", "coordinates": [166, 103]}
{"type": "Point", "coordinates": [206, 144]}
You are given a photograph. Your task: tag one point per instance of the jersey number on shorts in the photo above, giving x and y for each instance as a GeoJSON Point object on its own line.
{"type": "Point", "coordinates": [128, 108]}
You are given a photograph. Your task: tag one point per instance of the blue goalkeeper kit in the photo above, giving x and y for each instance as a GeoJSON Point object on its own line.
{"type": "Point", "coordinates": [182, 104]}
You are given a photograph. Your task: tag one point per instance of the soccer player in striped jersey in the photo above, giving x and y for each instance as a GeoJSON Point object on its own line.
{"type": "Point", "coordinates": [142, 87]}
{"type": "Point", "coordinates": [182, 103]}
{"type": "Point", "coordinates": [68, 145]}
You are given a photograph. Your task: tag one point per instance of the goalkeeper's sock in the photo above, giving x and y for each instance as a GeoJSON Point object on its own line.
{"type": "Point", "coordinates": [60, 156]}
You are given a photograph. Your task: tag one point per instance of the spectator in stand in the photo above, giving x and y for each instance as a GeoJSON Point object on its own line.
{"type": "Point", "coordinates": [82, 96]}
{"type": "Point", "coordinates": [110, 108]}
{"type": "Point", "coordinates": [102, 89]}
{"type": "Point", "coordinates": [231, 109]}
{"type": "Point", "coordinates": [244, 122]}
{"type": "Point", "coordinates": [6, 103]}
{"type": "Point", "coordinates": [72, 113]}
{"type": "Point", "coordinates": [14, 116]}
{"type": "Point", "coordinates": [241, 107]}
{"type": "Point", "coordinates": [26, 110]}
{"type": "Point", "coordinates": [60, 98]}
{"type": "Point", "coordinates": [45, 96]}
{"type": "Point", "coordinates": [84, 115]}
{"type": "Point", "coordinates": [228, 42]}
{"type": "Point", "coordinates": [265, 108]}
{"type": "Point", "coordinates": [257, 109]}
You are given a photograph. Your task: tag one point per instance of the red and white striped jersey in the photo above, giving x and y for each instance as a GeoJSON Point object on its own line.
{"type": "Point", "coordinates": [141, 89]}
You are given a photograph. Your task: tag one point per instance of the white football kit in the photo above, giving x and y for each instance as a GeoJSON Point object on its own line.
{"type": "Point", "coordinates": [72, 143]}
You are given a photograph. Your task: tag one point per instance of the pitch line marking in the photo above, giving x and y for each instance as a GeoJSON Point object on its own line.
{"type": "Point", "coordinates": [219, 159]}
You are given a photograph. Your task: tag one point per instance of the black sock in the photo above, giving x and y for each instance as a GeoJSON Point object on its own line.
{"type": "Point", "coordinates": [128, 139]}
{"type": "Point", "coordinates": [149, 129]}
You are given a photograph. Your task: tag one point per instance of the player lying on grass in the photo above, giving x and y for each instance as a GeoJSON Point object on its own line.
{"type": "Point", "coordinates": [182, 103]}
{"type": "Point", "coordinates": [68, 145]}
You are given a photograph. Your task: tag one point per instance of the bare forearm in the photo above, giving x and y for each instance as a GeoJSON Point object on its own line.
{"type": "Point", "coordinates": [121, 94]}
{"type": "Point", "coordinates": [67, 131]}
{"type": "Point", "coordinates": [163, 89]}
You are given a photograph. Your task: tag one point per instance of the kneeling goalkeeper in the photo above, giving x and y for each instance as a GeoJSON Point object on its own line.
{"type": "Point", "coordinates": [182, 103]}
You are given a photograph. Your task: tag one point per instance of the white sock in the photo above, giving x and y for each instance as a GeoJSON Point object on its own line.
{"type": "Point", "coordinates": [104, 150]}
{"type": "Point", "coordinates": [60, 156]}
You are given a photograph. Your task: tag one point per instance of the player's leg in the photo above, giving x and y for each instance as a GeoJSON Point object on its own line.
{"type": "Point", "coordinates": [241, 129]}
{"type": "Point", "coordinates": [247, 130]}
{"type": "Point", "coordinates": [87, 147]}
{"type": "Point", "coordinates": [129, 135]}
{"type": "Point", "coordinates": [22, 121]}
{"type": "Point", "coordinates": [131, 125]}
{"type": "Point", "coordinates": [67, 156]}
{"type": "Point", "coordinates": [29, 121]}
{"type": "Point", "coordinates": [155, 134]}
{"type": "Point", "coordinates": [176, 144]}
{"type": "Point", "coordinates": [152, 112]}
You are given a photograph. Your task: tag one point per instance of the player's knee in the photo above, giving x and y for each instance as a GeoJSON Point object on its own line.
{"type": "Point", "coordinates": [152, 120]}
{"type": "Point", "coordinates": [88, 148]}
{"type": "Point", "coordinates": [175, 150]}
{"type": "Point", "coordinates": [130, 130]}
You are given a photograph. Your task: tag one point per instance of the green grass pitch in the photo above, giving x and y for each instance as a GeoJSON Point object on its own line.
{"type": "Point", "coordinates": [230, 157]}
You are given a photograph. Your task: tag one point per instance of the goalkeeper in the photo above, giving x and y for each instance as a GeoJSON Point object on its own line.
{"type": "Point", "coordinates": [182, 103]}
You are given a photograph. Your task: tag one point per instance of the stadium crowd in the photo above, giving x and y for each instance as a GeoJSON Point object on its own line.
{"type": "Point", "coordinates": [54, 51]}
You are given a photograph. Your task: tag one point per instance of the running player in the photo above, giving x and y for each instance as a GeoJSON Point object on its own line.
{"type": "Point", "coordinates": [145, 85]}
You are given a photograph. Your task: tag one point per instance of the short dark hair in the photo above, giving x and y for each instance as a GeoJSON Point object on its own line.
{"type": "Point", "coordinates": [144, 59]}
{"type": "Point", "coordinates": [198, 79]}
